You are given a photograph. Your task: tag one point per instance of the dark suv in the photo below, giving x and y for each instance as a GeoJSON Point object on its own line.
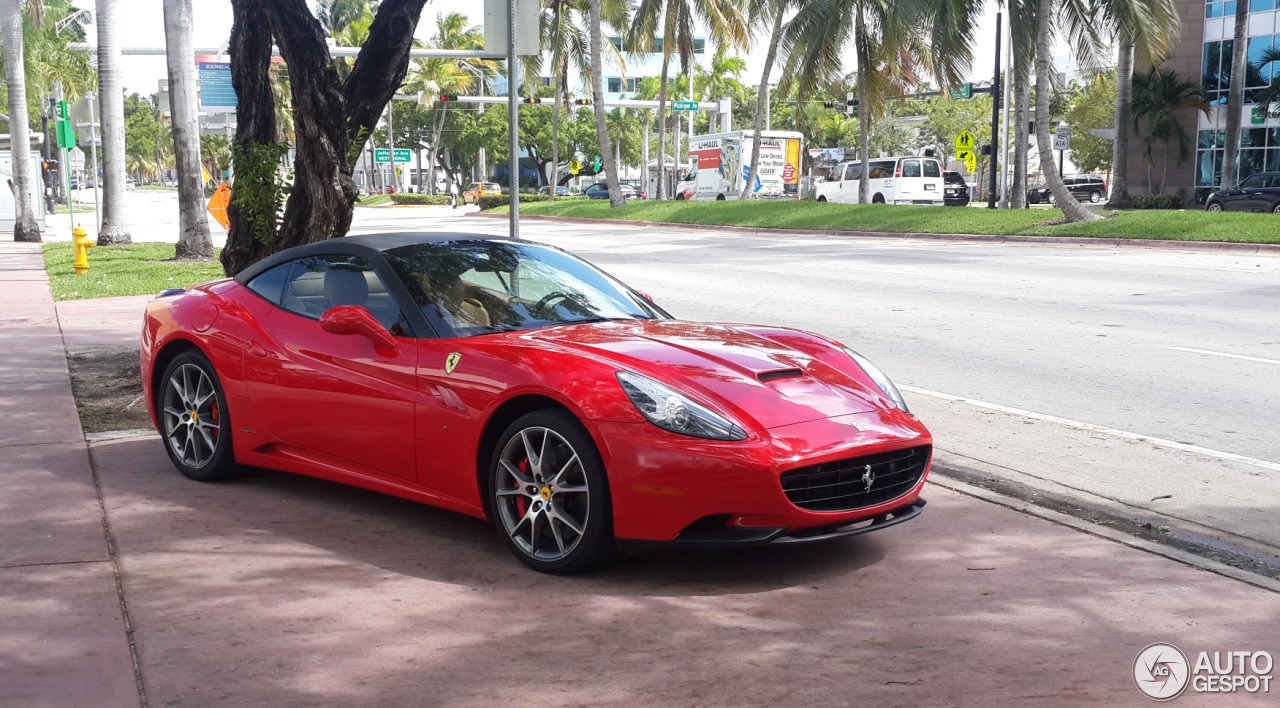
{"type": "Point", "coordinates": [955, 191]}
{"type": "Point", "coordinates": [1260, 192]}
{"type": "Point", "coordinates": [1086, 188]}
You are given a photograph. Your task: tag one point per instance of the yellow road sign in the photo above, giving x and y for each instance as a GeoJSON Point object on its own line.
{"type": "Point", "coordinates": [964, 141]}
{"type": "Point", "coordinates": [964, 155]}
{"type": "Point", "coordinates": [971, 164]}
{"type": "Point", "coordinates": [218, 205]}
{"type": "Point", "coordinates": [575, 167]}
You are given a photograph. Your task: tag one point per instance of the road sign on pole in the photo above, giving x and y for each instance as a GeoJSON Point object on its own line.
{"type": "Point", "coordinates": [217, 206]}
{"type": "Point", "coordinates": [1062, 137]}
{"type": "Point", "coordinates": [848, 104]}
{"type": "Point", "coordinates": [575, 167]}
{"type": "Point", "coordinates": [684, 105]}
{"type": "Point", "coordinates": [964, 142]}
{"type": "Point", "coordinates": [385, 155]}
{"type": "Point", "coordinates": [962, 91]}
{"type": "Point", "coordinates": [595, 163]}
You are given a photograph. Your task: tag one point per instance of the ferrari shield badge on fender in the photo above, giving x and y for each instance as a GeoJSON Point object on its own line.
{"type": "Point", "coordinates": [451, 362]}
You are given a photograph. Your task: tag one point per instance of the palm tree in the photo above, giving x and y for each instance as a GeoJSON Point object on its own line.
{"type": "Point", "coordinates": [896, 44]}
{"type": "Point", "coordinates": [47, 55]}
{"type": "Point", "coordinates": [1071, 208]}
{"type": "Point", "coordinates": [111, 101]}
{"type": "Point", "coordinates": [193, 226]}
{"type": "Point", "coordinates": [722, 78]}
{"type": "Point", "coordinates": [1235, 98]}
{"type": "Point", "coordinates": [597, 99]}
{"type": "Point", "coordinates": [1268, 99]}
{"type": "Point", "coordinates": [24, 225]}
{"type": "Point", "coordinates": [725, 24]}
{"type": "Point", "coordinates": [773, 11]}
{"type": "Point", "coordinates": [1158, 95]}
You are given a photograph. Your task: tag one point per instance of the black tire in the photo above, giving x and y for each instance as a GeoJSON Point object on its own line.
{"type": "Point", "coordinates": [1276, 209]}
{"type": "Point", "coordinates": [680, 197]}
{"type": "Point", "coordinates": [822, 198]}
{"type": "Point", "coordinates": [584, 491]}
{"type": "Point", "coordinates": [1095, 196]}
{"type": "Point", "coordinates": [201, 450]}
{"type": "Point", "coordinates": [1213, 206]}
{"type": "Point", "coordinates": [878, 199]}
{"type": "Point", "coordinates": [719, 197]}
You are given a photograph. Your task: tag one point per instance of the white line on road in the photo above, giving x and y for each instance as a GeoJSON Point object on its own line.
{"type": "Point", "coordinates": [1080, 425]}
{"type": "Point", "coordinates": [1224, 354]}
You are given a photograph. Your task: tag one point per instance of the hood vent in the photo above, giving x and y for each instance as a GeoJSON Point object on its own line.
{"type": "Point", "coordinates": [780, 374]}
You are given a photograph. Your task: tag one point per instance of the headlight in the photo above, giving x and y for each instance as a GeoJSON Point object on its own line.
{"type": "Point", "coordinates": [669, 410]}
{"type": "Point", "coordinates": [879, 377]}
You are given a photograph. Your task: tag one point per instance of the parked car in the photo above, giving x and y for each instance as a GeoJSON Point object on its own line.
{"type": "Point", "coordinates": [955, 190]}
{"type": "Point", "coordinates": [1086, 188]}
{"type": "Point", "coordinates": [129, 183]}
{"type": "Point", "coordinates": [1259, 192]}
{"type": "Point", "coordinates": [600, 190]}
{"type": "Point", "coordinates": [513, 382]}
{"type": "Point", "coordinates": [475, 190]}
{"type": "Point", "coordinates": [893, 180]}
{"type": "Point", "coordinates": [560, 191]}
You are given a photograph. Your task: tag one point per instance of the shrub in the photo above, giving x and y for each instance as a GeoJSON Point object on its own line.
{"type": "Point", "coordinates": [1158, 201]}
{"type": "Point", "coordinates": [492, 201]}
{"type": "Point", "coordinates": [414, 198]}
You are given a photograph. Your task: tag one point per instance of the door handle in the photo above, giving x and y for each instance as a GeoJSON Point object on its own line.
{"type": "Point", "coordinates": [256, 348]}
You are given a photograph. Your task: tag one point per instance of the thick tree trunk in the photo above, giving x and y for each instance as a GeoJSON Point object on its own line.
{"type": "Point", "coordinates": [762, 98]}
{"type": "Point", "coordinates": [193, 225]}
{"type": "Point", "coordinates": [662, 124]}
{"type": "Point", "coordinates": [1119, 198]}
{"type": "Point", "coordinates": [255, 123]}
{"type": "Point", "coordinates": [1071, 208]}
{"type": "Point", "coordinates": [864, 112]}
{"type": "Point", "coordinates": [1021, 130]}
{"type": "Point", "coordinates": [24, 225]}
{"type": "Point", "coordinates": [111, 102]}
{"type": "Point", "coordinates": [602, 130]}
{"type": "Point", "coordinates": [1235, 98]}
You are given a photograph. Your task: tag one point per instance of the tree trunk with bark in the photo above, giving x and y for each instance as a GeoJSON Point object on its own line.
{"type": "Point", "coordinates": [24, 225]}
{"type": "Point", "coordinates": [111, 104]}
{"type": "Point", "coordinates": [1071, 209]}
{"type": "Point", "coordinates": [602, 130]}
{"type": "Point", "coordinates": [1235, 98]}
{"type": "Point", "coordinates": [332, 118]}
{"type": "Point", "coordinates": [193, 225]}
{"type": "Point", "coordinates": [1119, 198]}
{"type": "Point", "coordinates": [762, 97]}
{"type": "Point", "coordinates": [864, 112]}
{"type": "Point", "coordinates": [662, 125]}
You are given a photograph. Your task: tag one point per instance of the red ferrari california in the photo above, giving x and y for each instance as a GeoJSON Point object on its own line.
{"type": "Point", "coordinates": [512, 381]}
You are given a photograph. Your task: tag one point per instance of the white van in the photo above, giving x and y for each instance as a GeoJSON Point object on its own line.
{"type": "Point", "coordinates": [893, 180]}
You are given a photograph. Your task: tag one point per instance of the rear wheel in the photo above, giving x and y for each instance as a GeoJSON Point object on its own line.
{"type": "Point", "coordinates": [194, 420]}
{"type": "Point", "coordinates": [719, 197]}
{"type": "Point", "coordinates": [1275, 209]}
{"type": "Point", "coordinates": [822, 198]}
{"type": "Point", "coordinates": [549, 494]}
{"type": "Point", "coordinates": [1095, 196]}
{"type": "Point", "coordinates": [878, 199]}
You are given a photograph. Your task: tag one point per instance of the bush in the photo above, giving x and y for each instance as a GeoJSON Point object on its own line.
{"type": "Point", "coordinates": [492, 201]}
{"type": "Point", "coordinates": [414, 198]}
{"type": "Point", "coordinates": [1158, 201]}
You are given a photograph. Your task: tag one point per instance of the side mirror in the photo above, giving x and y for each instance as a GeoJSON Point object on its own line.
{"type": "Point", "coordinates": [645, 295]}
{"type": "Point", "coordinates": [353, 319]}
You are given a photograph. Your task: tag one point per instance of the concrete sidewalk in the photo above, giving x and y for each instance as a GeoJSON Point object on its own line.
{"type": "Point", "coordinates": [62, 633]}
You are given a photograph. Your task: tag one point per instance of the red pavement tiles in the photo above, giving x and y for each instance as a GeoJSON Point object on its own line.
{"type": "Point", "coordinates": [282, 590]}
{"type": "Point", "coordinates": [102, 322]}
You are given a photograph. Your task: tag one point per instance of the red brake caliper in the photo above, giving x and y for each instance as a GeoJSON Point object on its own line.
{"type": "Point", "coordinates": [522, 504]}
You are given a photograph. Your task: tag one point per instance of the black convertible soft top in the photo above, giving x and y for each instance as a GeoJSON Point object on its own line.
{"type": "Point", "coordinates": [360, 244]}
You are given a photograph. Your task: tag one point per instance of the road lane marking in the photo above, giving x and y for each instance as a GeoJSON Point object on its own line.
{"type": "Point", "coordinates": [1080, 425]}
{"type": "Point", "coordinates": [1224, 354]}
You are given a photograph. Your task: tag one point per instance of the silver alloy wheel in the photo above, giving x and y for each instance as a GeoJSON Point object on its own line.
{"type": "Point", "coordinates": [543, 496]}
{"type": "Point", "coordinates": [1215, 207]}
{"type": "Point", "coordinates": [1095, 197]}
{"type": "Point", "coordinates": [192, 417]}
{"type": "Point", "coordinates": [1276, 210]}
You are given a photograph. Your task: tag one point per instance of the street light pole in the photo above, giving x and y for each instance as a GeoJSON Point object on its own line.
{"type": "Point", "coordinates": [513, 120]}
{"type": "Point", "coordinates": [995, 116]}
{"type": "Point", "coordinates": [1004, 124]}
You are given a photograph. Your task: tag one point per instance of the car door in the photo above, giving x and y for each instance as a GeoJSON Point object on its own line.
{"type": "Point", "coordinates": [1249, 196]}
{"type": "Point", "coordinates": [932, 180]}
{"type": "Point", "coordinates": [335, 394]}
{"type": "Point", "coordinates": [849, 184]}
{"type": "Point", "coordinates": [910, 186]}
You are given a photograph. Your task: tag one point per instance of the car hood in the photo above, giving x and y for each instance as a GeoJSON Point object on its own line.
{"type": "Point", "coordinates": [721, 365]}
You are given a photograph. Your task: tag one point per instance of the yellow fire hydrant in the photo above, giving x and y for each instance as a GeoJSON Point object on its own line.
{"type": "Point", "coordinates": [82, 244]}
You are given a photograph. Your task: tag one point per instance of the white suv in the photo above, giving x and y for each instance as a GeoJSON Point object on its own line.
{"type": "Point", "coordinates": [893, 180]}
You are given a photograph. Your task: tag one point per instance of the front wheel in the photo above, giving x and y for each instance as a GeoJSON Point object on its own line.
{"type": "Point", "coordinates": [1214, 207]}
{"type": "Point", "coordinates": [878, 199]}
{"type": "Point", "coordinates": [719, 197]}
{"type": "Point", "coordinates": [822, 199]}
{"type": "Point", "coordinates": [549, 494]}
{"type": "Point", "coordinates": [194, 419]}
{"type": "Point", "coordinates": [1275, 209]}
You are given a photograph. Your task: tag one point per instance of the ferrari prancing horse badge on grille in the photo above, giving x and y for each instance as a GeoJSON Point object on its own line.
{"type": "Point", "coordinates": [451, 362]}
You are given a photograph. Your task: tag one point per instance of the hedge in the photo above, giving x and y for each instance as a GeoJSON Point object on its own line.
{"type": "Point", "coordinates": [493, 201]}
{"type": "Point", "coordinates": [1157, 201]}
{"type": "Point", "coordinates": [414, 198]}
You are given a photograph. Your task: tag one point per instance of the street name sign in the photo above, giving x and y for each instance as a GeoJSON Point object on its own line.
{"type": "Point", "coordinates": [384, 155]}
{"type": "Point", "coordinates": [962, 91]}
{"type": "Point", "coordinates": [684, 105]}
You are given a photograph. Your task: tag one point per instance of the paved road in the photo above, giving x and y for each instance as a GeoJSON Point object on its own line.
{"type": "Point", "coordinates": [1145, 378]}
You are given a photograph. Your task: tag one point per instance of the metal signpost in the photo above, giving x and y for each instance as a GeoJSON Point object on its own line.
{"type": "Point", "coordinates": [1061, 143]}
{"type": "Point", "coordinates": [513, 121]}
{"type": "Point", "coordinates": [87, 108]}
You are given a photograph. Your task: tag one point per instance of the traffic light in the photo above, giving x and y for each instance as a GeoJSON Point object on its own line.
{"type": "Point", "coordinates": [828, 104]}
{"type": "Point", "coordinates": [448, 97]}
{"type": "Point", "coordinates": [49, 172]}
{"type": "Point", "coordinates": [582, 102]}
{"type": "Point", "coordinates": [531, 100]}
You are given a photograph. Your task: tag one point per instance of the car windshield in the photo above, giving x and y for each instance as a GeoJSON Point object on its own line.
{"type": "Point", "coordinates": [467, 288]}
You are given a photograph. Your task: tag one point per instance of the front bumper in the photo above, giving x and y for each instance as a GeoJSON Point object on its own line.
{"type": "Point", "coordinates": [668, 487]}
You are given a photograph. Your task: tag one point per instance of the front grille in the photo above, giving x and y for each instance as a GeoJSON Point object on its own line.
{"type": "Point", "coordinates": [841, 485]}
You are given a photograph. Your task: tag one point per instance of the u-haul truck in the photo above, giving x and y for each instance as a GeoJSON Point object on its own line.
{"type": "Point", "coordinates": [724, 163]}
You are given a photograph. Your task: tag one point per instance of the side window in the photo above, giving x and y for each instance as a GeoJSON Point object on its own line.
{"type": "Point", "coordinates": [317, 283]}
{"type": "Point", "coordinates": [270, 285]}
{"type": "Point", "coordinates": [911, 168]}
{"type": "Point", "coordinates": [1254, 182]}
{"type": "Point", "coordinates": [882, 169]}
{"type": "Point", "coordinates": [853, 172]}
{"type": "Point", "coordinates": [931, 169]}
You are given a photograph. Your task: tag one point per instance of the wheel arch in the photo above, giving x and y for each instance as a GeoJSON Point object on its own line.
{"type": "Point", "coordinates": [503, 416]}
{"type": "Point", "coordinates": [160, 362]}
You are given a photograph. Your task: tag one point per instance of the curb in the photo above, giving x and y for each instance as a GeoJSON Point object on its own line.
{"type": "Point", "coordinates": [1083, 242]}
